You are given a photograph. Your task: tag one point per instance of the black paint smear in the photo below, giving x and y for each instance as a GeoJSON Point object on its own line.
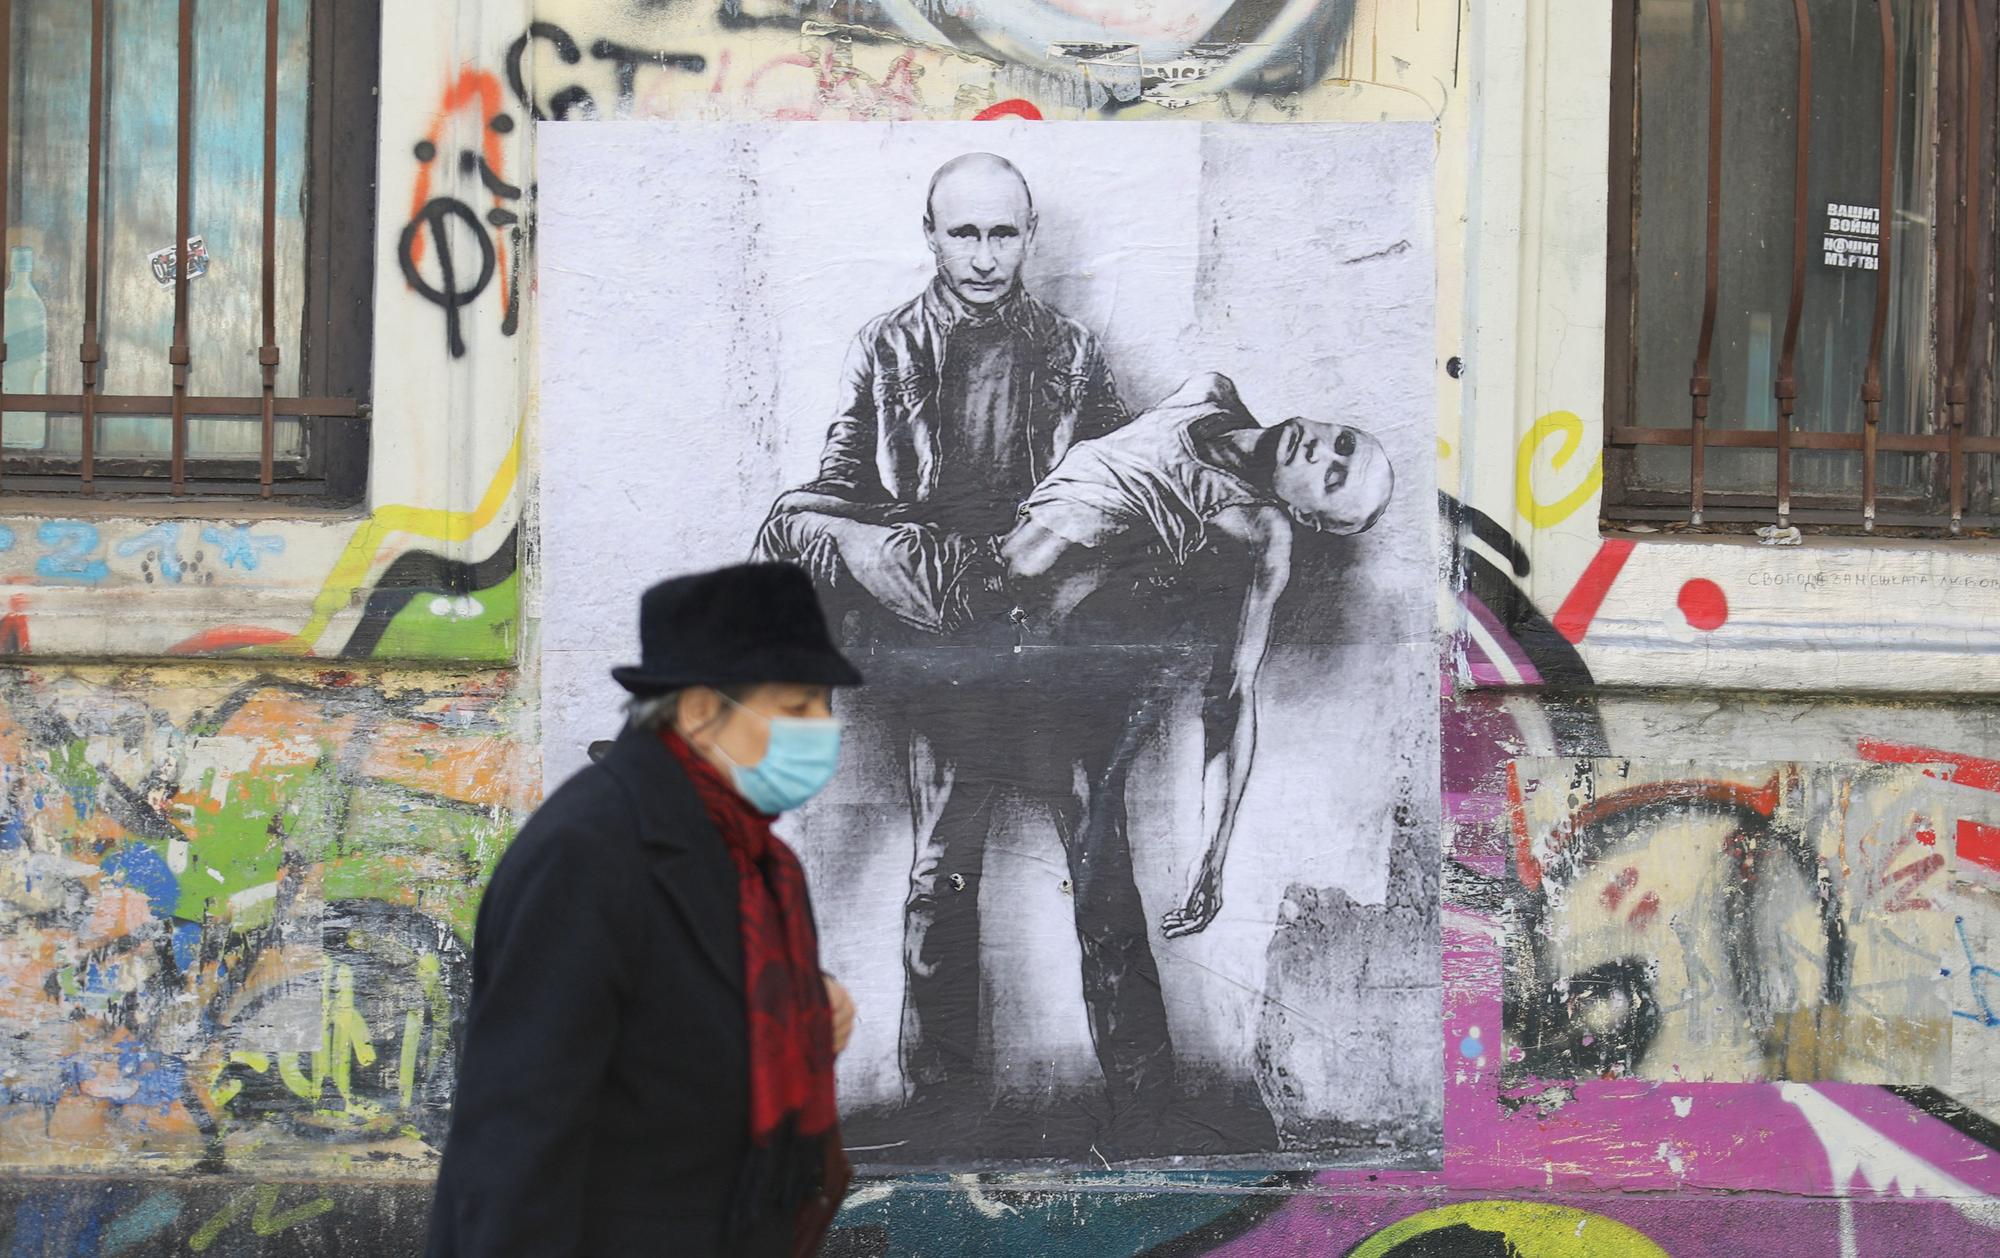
{"type": "Point", "coordinates": [1235, 1222]}
{"type": "Point", "coordinates": [1549, 1029]}
{"type": "Point", "coordinates": [625, 63]}
{"type": "Point", "coordinates": [425, 572]}
{"type": "Point", "coordinates": [565, 48]}
{"type": "Point", "coordinates": [1953, 1113]}
{"type": "Point", "coordinates": [1572, 713]}
{"type": "Point", "coordinates": [1460, 1240]}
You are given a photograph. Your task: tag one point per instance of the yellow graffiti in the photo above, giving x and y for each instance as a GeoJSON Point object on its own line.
{"type": "Point", "coordinates": [346, 1044]}
{"type": "Point", "coordinates": [1543, 514]}
{"type": "Point", "coordinates": [1531, 1230]}
{"type": "Point", "coordinates": [431, 523]}
{"type": "Point", "coordinates": [263, 1219]}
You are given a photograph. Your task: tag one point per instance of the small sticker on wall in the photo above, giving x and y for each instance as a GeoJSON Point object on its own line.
{"type": "Point", "coordinates": [162, 261]}
{"type": "Point", "coordinates": [1853, 237]}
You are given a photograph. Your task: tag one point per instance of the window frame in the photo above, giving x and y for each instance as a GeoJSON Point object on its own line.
{"type": "Point", "coordinates": [1626, 502]}
{"type": "Point", "coordinates": [336, 335]}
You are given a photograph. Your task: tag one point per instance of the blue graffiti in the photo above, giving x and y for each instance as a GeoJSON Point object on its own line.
{"type": "Point", "coordinates": [164, 538]}
{"type": "Point", "coordinates": [1978, 973]}
{"type": "Point", "coordinates": [145, 870]}
{"type": "Point", "coordinates": [6, 538]}
{"type": "Point", "coordinates": [143, 1222]}
{"type": "Point", "coordinates": [240, 547]}
{"type": "Point", "coordinates": [70, 544]}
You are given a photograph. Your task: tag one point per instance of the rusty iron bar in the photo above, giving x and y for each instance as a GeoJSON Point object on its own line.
{"type": "Point", "coordinates": [267, 353]}
{"type": "Point", "coordinates": [1804, 439]}
{"type": "Point", "coordinates": [1871, 380]}
{"type": "Point", "coordinates": [153, 404]}
{"type": "Point", "coordinates": [177, 354]}
{"type": "Point", "coordinates": [1787, 385]}
{"type": "Point", "coordinates": [1972, 132]}
{"type": "Point", "coordinates": [1699, 384]}
{"type": "Point", "coordinates": [6, 156]}
{"type": "Point", "coordinates": [90, 353]}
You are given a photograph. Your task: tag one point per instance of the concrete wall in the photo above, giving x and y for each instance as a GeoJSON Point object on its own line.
{"type": "Point", "coordinates": [257, 764]}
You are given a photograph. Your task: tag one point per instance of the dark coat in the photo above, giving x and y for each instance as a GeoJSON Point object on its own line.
{"type": "Point", "coordinates": [603, 1091]}
{"type": "Point", "coordinates": [887, 443]}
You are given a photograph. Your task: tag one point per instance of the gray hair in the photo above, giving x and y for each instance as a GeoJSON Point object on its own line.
{"type": "Point", "coordinates": [653, 712]}
{"type": "Point", "coordinates": [659, 711]}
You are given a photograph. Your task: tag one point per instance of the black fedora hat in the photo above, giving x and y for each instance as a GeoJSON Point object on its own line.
{"type": "Point", "coordinates": [736, 626]}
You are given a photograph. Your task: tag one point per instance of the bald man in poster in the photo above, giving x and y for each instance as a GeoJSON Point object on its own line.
{"type": "Point", "coordinates": [953, 407]}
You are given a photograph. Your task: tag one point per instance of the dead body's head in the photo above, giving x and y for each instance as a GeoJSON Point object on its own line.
{"type": "Point", "coordinates": [1331, 477]}
{"type": "Point", "coordinates": [979, 218]}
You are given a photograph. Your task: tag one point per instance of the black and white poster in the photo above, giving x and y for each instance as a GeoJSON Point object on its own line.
{"type": "Point", "coordinates": [1112, 449]}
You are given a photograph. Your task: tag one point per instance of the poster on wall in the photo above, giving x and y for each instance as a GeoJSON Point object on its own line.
{"type": "Point", "coordinates": [1111, 450]}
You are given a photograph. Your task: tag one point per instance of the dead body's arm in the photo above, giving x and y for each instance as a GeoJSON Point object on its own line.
{"type": "Point", "coordinates": [1229, 710]}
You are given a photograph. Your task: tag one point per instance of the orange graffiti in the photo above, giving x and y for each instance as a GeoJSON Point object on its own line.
{"type": "Point", "coordinates": [473, 86]}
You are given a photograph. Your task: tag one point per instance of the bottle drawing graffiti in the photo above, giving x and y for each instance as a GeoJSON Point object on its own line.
{"type": "Point", "coordinates": [27, 369]}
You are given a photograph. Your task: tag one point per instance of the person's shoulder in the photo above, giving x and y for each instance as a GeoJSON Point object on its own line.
{"type": "Point", "coordinates": [905, 318]}
{"type": "Point", "coordinates": [1050, 324]}
{"type": "Point", "coordinates": [1207, 390]}
{"type": "Point", "coordinates": [588, 822]}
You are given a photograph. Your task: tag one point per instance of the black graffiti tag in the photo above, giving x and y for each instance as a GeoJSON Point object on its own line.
{"type": "Point", "coordinates": [576, 99]}
{"type": "Point", "coordinates": [447, 293]}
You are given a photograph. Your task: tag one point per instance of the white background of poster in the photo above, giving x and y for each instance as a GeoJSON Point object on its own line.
{"type": "Point", "coordinates": [700, 284]}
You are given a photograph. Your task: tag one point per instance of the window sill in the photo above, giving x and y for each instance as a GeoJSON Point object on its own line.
{"type": "Point", "coordinates": [1725, 612]}
{"type": "Point", "coordinates": [165, 579]}
{"type": "Point", "coordinates": [15, 508]}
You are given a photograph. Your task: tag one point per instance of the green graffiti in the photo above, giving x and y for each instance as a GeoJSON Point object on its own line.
{"type": "Point", "coordinates": [70, 763]}
{"type": "Point", "coordinates": [236, 845]}
{"type": "Point", "coordinates": [423, 631]}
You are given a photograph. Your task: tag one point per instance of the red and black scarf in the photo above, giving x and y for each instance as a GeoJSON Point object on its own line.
{"type": "Point", "coordinates": [796, 1162]}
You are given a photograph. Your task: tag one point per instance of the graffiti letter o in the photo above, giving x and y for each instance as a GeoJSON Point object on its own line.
{"type": "Point", "coordinates": [1543, 514]}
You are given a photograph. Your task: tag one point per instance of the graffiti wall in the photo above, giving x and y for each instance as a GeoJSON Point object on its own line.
{"type": "Point", "coordinates": [1716, 873]}
{"type": "Point", "coordinates": [237, 910]}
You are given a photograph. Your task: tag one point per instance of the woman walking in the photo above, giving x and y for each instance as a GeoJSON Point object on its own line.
{"type": "Point", "coordinates": [647, 1066]}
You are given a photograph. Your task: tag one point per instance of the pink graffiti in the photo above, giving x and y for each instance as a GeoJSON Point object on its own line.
{"type": "Point", "coordinates": [838, 89]}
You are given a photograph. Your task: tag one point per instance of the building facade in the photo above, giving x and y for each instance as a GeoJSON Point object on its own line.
{"type": "Point", "coordinates": [1718, 878]}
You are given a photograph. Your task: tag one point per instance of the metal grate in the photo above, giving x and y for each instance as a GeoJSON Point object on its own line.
{"type": "Point", "coordinates": [1962, 320]}
{"type": "Point", "coordinates": [180, 474]}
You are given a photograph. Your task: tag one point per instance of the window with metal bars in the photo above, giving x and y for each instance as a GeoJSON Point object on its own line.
{"type": "Point", "coordinates": [187, 193]}
{"type": "Point", "coordinates": [1800, 325]}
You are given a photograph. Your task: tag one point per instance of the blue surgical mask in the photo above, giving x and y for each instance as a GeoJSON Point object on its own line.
{"type": "Point", "coordinates": [801, 758]}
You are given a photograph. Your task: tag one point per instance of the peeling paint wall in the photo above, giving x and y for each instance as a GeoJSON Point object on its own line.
{"type": "Point", "coordinates": [1721, 927]}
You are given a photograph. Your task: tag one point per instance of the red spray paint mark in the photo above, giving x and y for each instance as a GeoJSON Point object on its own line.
{"type": "Point", "coordinates": [1974, 771]}
{"type": "Point", "coordinates": [1647, 909]}
{"type": "Point", "coordinates": [1580, 608]}
{"type": "Point", "coordinates": [1009, 109]}
{"type": "Point", "coordinates": [228, 638]}
{"type": "Point", "coordinates": [1525, 864]}
{"type": "Point", "coordinates": [14, 627]}
{"type": "Point", "coordinates": [1902, 883]}
{"type": "Point", "coordinates": [1979, 843]}
{"type": "Point", "coordinates": [1614, 892]}
{"type": "Point", "coordinates": [1703, 604]}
